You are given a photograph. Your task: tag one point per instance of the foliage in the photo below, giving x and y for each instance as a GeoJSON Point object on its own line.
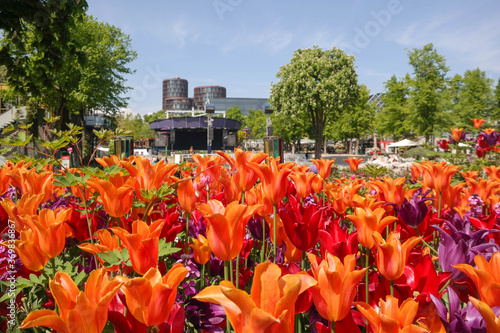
{"type": "Point", "coordinates": [235, 114]}
{"type": "Point", "coordinates": [256, 121]}
{"type": "Point", "coordinates": [428, 86]}
{"type": "Point", "coordinates": [474, 99]}
{"type": "Point", "coordinates": [393, 120]}
{"type": "Point", "coordinates": [417, 153]}
{"type": "Point", "coordinates": [158, 115]}
{"type": "Point", "coordinates": [316, 86]}
{"type": "Point", "coordinates": [136, 125]}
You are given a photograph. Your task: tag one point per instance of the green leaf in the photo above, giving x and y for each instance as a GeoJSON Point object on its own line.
{"type": "Point", "coordinates": [166, 249]}
{"type": "Point", "coordinates": [8, 129]}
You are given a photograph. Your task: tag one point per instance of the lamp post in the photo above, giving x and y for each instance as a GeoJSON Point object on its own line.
{"type": "Point", "coordinates": [269, 126]}
{"type": "Point", "coordinates": [209, 110]}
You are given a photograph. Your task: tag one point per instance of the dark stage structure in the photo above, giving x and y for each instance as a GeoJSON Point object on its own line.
{"type": "Point", "coordinates": [181, 133]}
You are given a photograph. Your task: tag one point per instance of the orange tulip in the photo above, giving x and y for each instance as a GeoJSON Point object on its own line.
{"type": "Point", "coordinates": [32, 182]}
{"type": "Point", "coordinates": [79, 311]}
{"type": "Point", "coordinates": [368, 221]}
{"type": "Point", "coordinates": [49, 230]}
{"type": "Point", "coordinates": [107, 242]}
{"type": "Point", "coordinates": [337, 283]}
{"type": "Point", "coordinates": [390, 190]}
{"type": "Point", "coordinates": [471, 174]}
{"type": "Point", "coordinates": [274, 179]}
{"type": "Point", "coordinates": [116, 194]}
{"type": "Point", "coordinates": [456, 133]}
{"type": "Point", "coordinates": [302, 182]}
{"type": "Point", "coordinates": [147, 176]}
{"type": "Point", "coordinates": [4, 181]}
{"type": "Point", "coordinates": [437, 176]}
{"type": "Point", "coordinates": [324, 167]}
{"type": "Point", "coordinates": [292, 254]}
{"type": "Point", "coordinates": [109, 161]}
{"type": "Point", "coordinates": [209, 165]}
{"type": "Point", "coordinates": [231, 190]}
{"type": "Point", "coordinates": [478, 122]}
{"type": "Point", "coordinates": [28, 204]}
{"type": "Point", "coordinates": [270, 307]}
{"type": "Point", "coordinates": [452, 197]}
{"type": "Point", "coordinates": [226, 226]}
{"type": "Point", "coordinates": [486, 277]}
{"type": "Point", "coordinates": [201, 249]}
{"type": "Point", "coordinates": [492, 321]}
{"type": "Point", "coordinates": [255, 196]}
{"type": "Point", "coordinates": [186, 195]}
{"type": "Point", "coordinates": [244, 176]}
{"type": "Point", "coordinates": [317, 184]}
{"type": "Point", "coordinates": [493, 172]}
{"type": "Point", "coordinates": [354, 162]}
{"type": "Point", "coordinates": [391, 318]}
{"type": "Point", "coordinates": [392, 255]}
{"type": "Point", "coordinates": [28, 251]}
{"type": "Point", "coordinates": [484, 188]}
{"type": "Point", "coordinates": [150, 298]}
{"type": "Point", "coordinates": [142, 244]}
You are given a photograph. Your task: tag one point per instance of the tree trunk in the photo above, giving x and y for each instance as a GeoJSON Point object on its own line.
{"type": "Point", "coordinates": [325, 146]}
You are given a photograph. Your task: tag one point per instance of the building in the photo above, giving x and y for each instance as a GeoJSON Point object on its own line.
{"type": "Point", "coordinates": [207, 93]}
{"type": "Point", "coordinates": [244, 104]}
{"type": "Point", "coordinates": [377, 100]}
{"type": "Point", "coordinates": [175, 95]}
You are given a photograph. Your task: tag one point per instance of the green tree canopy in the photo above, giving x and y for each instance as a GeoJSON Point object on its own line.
{"type": "Point", "coordinates": [149, 118]}
{"type": "Point", "coordinates": [428, 86]}
{"type": "Point", "coordinates": [393, 120]}
{"type": "Point", "coordinates": [475, 99]}
{"type": "Point", "coordinates": [235, 114]}
{"type": "Point", "coordinates": [136, 125]}
{"type": "Point", "coordinates": [256, 121]}
{"type": "Point", "coordinates": [316, 86]}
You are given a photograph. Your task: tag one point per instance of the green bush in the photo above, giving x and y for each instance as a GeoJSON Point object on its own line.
{"type": "Point", "coordinates": [417, 153]}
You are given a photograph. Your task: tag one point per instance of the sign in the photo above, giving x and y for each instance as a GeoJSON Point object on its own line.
{"type": "Point", "coordinates": [66, 161]}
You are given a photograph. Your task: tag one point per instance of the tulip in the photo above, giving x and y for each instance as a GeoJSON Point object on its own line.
{"type": "Point", "coordinates": [492, 321]}
{"type": "Point", "coordinates": [270, 307]}
{"type": "Point", "coordinates": [391, 318]}
{"type": "Point", "coordinates": [389, 190]}
{"type": "Point", "coordinates": [201, 249]}
{"type": "Point", "coordinates": [444, 145]}
{"type": "Point", "coordinates": [274, 179]}
{"type": "Point", "coordinates": [337, 241]}
{"type": "Point", "coordinates": [324, 167]}
{"type": "Point", "coordinates": [29, 181]}
{"type": "Point", "coordinates": [437, 176]}
{"type": "Point", "coordinates": [493, 172]}
{"type": "Point", "coordinates": [231, 191]}
{"type": "Point", "coordinates": [486, 277]}
{"type": "Point", "coordinates": [303, 183]}
{"type": "Point", "coordinates": [368, 221]}
{"type": "Point", "coordinates": [478, 122]}
{"type": "Point", "coordinates": [151, 298]}
{"type": "Point", "coordinates": [301, 223]}
{"type": "Point", "coordinates": [354, 162]}
{"type": "Point", "coordinates": [392, 255]}
{"type": "Point", "coordinates": [79, 311]}
{"type": "Point", "coordinates": [456, 134]}
{"type": "Point", "coordinates": [244, 176]}
{"type": "Point", "coordinates": [28, 251]}
{"type": "Point", "coordinates": [336, 285]}
{"type": "Point", "coordinates": [147, 176]}
{"type": "Point", "coordinates": [142, 244]}
{"type": "Point", "coordinates": [49, 230]}
{"type": "Point", "coordinates": [226, 226]}
{"type": "Point", "coordinates": [28, 204]}
{"type": "Point", "coordinates": [490, 136]}
{"type": "Point", "coordinates": [4, 181]}
{"type": "Point", "coordinates": [108, 161]}
{"type": "Point", "coordinates": [107, 242]}
{"type": "Point", "coordinates": [186, 195]}
{"type": "Point", "coordinates": [116, 194]}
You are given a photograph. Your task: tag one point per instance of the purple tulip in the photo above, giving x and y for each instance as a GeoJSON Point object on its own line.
{"type": "Point", "coordinates": [255, 228]}
{"type": "Point", "coordinates": [461, 320]}
{"type": "Point", "coordinates": [205, 316]}
{"type": "Point", "coordinates": [461, 245]}
{"type": "Point", "coordinates": [413, 212]}
{"type": "Point", "coordinates": [490, 138]}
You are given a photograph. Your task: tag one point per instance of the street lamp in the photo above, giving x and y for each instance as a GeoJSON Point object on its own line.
{"type": "Point", "coordinates": [269, 127]}
{"type": "Point", "coordinates": [209, 110]}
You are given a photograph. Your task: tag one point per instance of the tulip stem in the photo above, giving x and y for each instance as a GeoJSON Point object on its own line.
{"type": "Point", "coordinates": [392, 287]}
{"type": "Point", "coordinates": [231, 271]}
{"type": "Point", "coordinates": [367, 283]}
{"type": "Point", "coordinates": [274, 231]}
{"type": "Point", "coordinates": [237, 282]}
{"type": "Point", "coordinates": [445, 285]}
{"type": "Point", "coordinates": [226, 277]}
{"type": "Point", "coordinates": [439, 205]}
{"type": "Point", "coordinates": [187, 232]}
{"type": "Point", "coordinates": [433, 250]}
{"type": "Point", "coordinates": [263, 247]}
{"type": "Point", "coordinates": [333, 327]}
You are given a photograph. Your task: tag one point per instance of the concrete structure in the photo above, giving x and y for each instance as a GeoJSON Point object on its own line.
{"type": "Point", "coordinates": [175, 95]}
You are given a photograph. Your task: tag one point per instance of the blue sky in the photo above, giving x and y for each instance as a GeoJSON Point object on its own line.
{"type": "Point", "coordinates": [241, 44]}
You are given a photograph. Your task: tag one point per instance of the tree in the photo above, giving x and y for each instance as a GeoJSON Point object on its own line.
{"type": "Point", "coordinates": [91, 77]}
{"type": "Point", "coordinates": [235, 114]}
{"type": "Point", "coordinates": [149, 118]}
{"type": "Point", "coordinates": [427, 92]}
{"type": "Point", "coordinates": [393, 120]}
{"type": "Point", "coordinates": [256, 121]}
{"type": "Point", "coordinates": [315, 86]}
{"type": "Point", "coordinates": [475, 99]}
{"type": "Point", "coordinates": [356, 121]}
{"type": "Point", "coordinates": [136, 125]}
{"type": "Point", "coordinates": [496, 111]}
{"type": "Point", "coordinates": [290, 128]}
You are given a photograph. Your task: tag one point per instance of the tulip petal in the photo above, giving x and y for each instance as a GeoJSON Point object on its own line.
{"type": "Point", "coordinates": [46, 318]}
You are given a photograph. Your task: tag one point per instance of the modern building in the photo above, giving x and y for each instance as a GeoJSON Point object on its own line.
{"type": "Point", "coordinates": [377, 99]}
{"type": "Point", "coordinates": [244, 104]}
{"type": "Point", "coordinates": [207, 93]}
{"type": "Point", "coordinates": [175, 95]}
